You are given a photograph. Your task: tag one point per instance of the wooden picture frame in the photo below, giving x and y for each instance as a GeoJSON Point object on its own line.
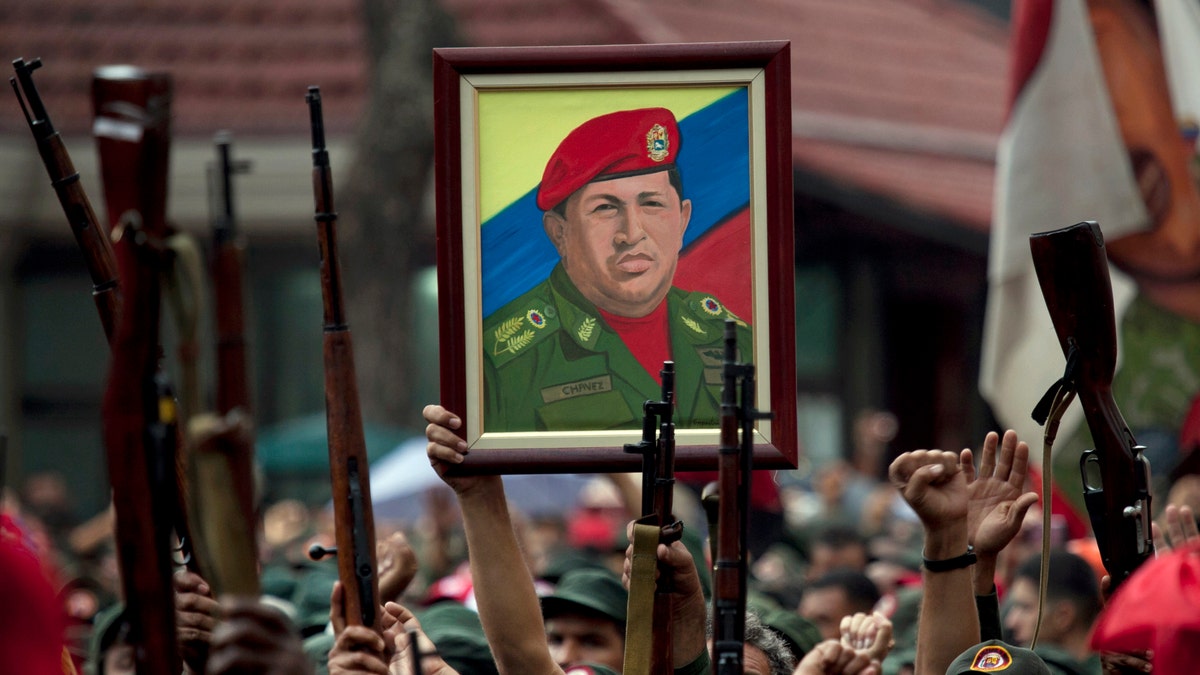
{"type": "Point", "coordinates": [500, 113]}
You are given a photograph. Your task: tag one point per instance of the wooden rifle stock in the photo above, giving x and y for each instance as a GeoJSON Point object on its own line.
{"type": "Point", "coordinates": [222, 445]}
{"type": "Point", "coordinates": [657, 448]}
{"type": "Point", "coordinates": [92, 239]}
{"type": "Point", "coordinates": [1072, 268]}
{"type": "Point", "coordinates": [132, 128]}
{"type": "Point", "coordinates": [139, 439]}
{"type": "Point", "coordinates": [355, 523]}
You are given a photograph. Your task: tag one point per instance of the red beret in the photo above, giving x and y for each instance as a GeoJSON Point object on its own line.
{"type": "Point", "coordinates": [1157, 608]}
{"type": "Point", "coordinates": [623, 143]}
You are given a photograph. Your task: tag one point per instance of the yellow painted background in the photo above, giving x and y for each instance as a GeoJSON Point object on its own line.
{"type": "Point", "coordinates": [519, 129]}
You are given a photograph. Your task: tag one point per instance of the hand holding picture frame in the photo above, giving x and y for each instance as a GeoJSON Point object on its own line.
{"type": "Point", "coordinates": [599, 209]}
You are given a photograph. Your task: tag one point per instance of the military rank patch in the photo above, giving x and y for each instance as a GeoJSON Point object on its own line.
{"type": "Point", "coordinates": [586, 328]}
{"type": "Point", "coordinates": [536, 318]}
{"type": "Point", "coordinates": [658, 145]}
{"type": "Point", "coordinates": [711, 306]}
{"type": "Point", "coordinates": [991, 659]}
{"type": "Point", "coordinates": [509, 338]}
{"type": "Point", "coordinates": [691, 323]}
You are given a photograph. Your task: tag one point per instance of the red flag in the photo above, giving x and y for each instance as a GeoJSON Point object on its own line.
{"type": "Point", "coordinates": [1061, 159]}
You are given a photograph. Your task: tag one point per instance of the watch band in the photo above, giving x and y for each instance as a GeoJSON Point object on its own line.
{"type": "Point", "coordinates": [957, 563]}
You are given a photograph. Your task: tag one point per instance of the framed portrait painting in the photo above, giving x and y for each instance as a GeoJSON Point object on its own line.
{"type": "Point", "coordinates": [602, 210]}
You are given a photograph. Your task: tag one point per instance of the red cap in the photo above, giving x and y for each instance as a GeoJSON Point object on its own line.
{"type": "Point", "coordinates": [1157, 608]}
{"type": "Point", "coordinates": [623, 143]}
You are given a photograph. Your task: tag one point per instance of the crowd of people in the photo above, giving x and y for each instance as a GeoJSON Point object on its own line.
{"type": "Point", "coordinates": [935, 568]}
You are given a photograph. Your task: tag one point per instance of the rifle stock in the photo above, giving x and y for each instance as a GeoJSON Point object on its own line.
{"type": "Point", "coordinates": [139, 434]}
{"type": "Point", "coordinates": [355, 523]}
{"type": "Point", "coordinates": [93, 240]}
{"type": "Point", "coordinates": [132, 128]}
{"type": "Point", "coordinates": [1072, 269]}
{"type": "Point", "coordinates": [222, 444]}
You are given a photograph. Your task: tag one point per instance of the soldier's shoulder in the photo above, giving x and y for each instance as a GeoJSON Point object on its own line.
{"type": "Point", "coordinates": [514, 329]}
{"type": "Point", "coordinates": [706, 307]}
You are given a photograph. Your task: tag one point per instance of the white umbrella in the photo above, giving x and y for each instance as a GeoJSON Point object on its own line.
{"type": "Point", "coordinates": [401, 478]}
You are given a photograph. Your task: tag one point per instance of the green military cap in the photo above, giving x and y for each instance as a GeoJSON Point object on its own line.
{"type": "Point", "coordinates": [570, 559]}
{"type": "Point", "coordinates": [107, 628]}
{"type": "Point", "coordinates": [590, 591]}
{"type": "Point", "coordinates": [800, 633]}
{"type": "Point", "coordinates": [311, 598]}
{"type": "Point", "coordinates": [316, 649]}
{"type": "Point", "coordinates": [898, 659]}
{"type": "Point", "coordinates": [278, 580]}
{"type": "Point", "coordinates": [456, 632]}
{"type": "Point", "coordinates": [995, 656]}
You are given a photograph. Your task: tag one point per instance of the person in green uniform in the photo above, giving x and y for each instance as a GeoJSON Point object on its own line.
{"type": "Point", "coordinates": [582, 350]}
{"type": "Point", "coordinates": [1072, 604]}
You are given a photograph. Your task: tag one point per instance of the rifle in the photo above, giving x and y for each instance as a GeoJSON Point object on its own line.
{"type": "Point", "coordinates": [132, 129]}
{"type": "Point", "coordinates": [730, 563]}
{"type": "Point", "coordinates": [1072, 268]}
{"type": "Point", "coordinates": [138, 435]}
{"type": "Point", "coordinates": [222, 445]}
{"type": "Point", "coordinates": [92, 239]}
{"type": "Point", "coordinates": [649, 603]}
{"type": "Point", "coordinates": [355, 523]}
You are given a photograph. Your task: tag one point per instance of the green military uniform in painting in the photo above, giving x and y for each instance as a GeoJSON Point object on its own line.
{"type": "Point", "coordinates": [552, 364]}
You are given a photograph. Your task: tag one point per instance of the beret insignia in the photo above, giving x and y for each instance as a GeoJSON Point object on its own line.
{"type": "Point", "coordinates": [658, 144]}
{"type": "Point", "coordinates": [991, 659]}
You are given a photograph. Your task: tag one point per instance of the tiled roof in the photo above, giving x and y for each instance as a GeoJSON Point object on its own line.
{"type": "Point", "coordinates": [236, 64]}
{"type": "Point", "coordinates": [904, 98]}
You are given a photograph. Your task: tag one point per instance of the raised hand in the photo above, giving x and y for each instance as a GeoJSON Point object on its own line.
{"type": "Point", "coordinates": [447, 448]}
{"type": "Point", "coordinates": [404, 627]}
{"type": "Point", "coordinates": [196, 616]}
{"type": "Point", "coordinates": [869, 634]}
{"type": "Point", "coordinates": [255, 638]}
{"type": "Point", "coordinates": [396, 563]}
{"type": "Point", "coordinates": [996, 503]}
{"type": "Point", "coordinates": [934, 485]}
{"type": "Point", "coordinates": [1179, 529]}
{"type": "Point", "coordinates": [834, 658]}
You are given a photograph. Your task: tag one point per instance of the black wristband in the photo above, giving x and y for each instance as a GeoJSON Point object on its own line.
{"type": "Point", "coordinates": [957, 563]}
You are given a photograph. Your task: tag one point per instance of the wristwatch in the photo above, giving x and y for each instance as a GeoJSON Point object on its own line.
{"type": "Point", "coordinates": [957, 563]}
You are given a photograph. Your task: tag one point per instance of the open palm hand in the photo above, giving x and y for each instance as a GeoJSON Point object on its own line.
{"type": "Point", "coordinates": [996, 502]}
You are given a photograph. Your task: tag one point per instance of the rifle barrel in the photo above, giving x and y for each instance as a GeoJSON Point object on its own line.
{"type": "Point", "coordinates": [355, 524]}
{"type": "Point", "coordinates": [93, 241]}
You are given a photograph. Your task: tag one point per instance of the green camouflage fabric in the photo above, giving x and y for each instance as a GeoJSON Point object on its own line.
{"type": "Point", "coordinates": [1158, 377]}
{"type": "Point", "coordinates": [551, 363]}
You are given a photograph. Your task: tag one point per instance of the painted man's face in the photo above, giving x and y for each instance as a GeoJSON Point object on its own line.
{"type": "Point", "coordinates": [620, 241]}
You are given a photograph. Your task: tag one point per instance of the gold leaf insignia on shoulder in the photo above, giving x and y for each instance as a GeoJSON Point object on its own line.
{"type": "Point", "coordinates": [536, 318]}
{"type": "Point", "coordinates": [507, 329]}
{"type": "Point", "coordinates": [730, 315]}
{"type": "Point", "coordinates": [514, 343]}
{"type": "Point", "coordinates": [691, 323]}
{"type": "Point", "coordinates": [585, 328]}
{"type": "Point", "coordinates": [710, 306]}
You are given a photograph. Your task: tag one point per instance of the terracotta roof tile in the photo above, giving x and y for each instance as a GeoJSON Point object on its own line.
{"type": "Point", "coordinates": [235, 64]}
{"type": "Point", "coordinates": [903, 97]}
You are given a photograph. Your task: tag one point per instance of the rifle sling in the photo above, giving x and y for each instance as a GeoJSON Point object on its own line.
{"type": "Point", "coordinates": [639, 632]}
{"type": "Point", "coordinates": [1064, 393]}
